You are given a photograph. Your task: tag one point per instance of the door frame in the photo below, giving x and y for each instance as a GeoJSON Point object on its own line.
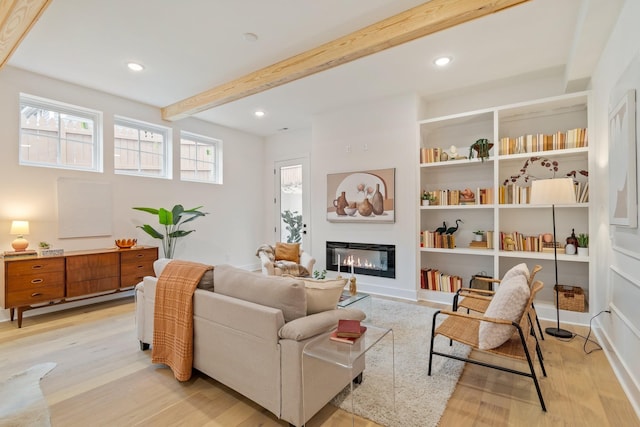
{"type": "Point", "coordinates": [306, 205]}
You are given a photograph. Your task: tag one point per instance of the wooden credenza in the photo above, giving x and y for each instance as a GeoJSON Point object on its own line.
{"type": "Point", "coordinates": [32, 282]}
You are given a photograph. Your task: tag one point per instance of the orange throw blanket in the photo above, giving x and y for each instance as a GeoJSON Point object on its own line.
{"type": "Point", "coordinates": [173, 316]}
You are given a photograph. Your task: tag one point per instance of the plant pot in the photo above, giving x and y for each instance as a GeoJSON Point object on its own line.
{"type": "Point", "coordinates": [425, 203]}
{"type": "Point", "coordinates": [583, 251]}
{"type": "Point", "coordinates": [477, 237]}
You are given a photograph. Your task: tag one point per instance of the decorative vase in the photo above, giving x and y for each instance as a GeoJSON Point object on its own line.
{"type": "Point", "coordinates": [340, 203]}
{"type": "Point", "coordinates": [570, 249]}
{"type": "Point", "coordinates": [353, 289]}
{"type": "Point", "coordinates": [572, 239]}
{"type": "Point", "coordinates": [377, 201]}
{"type": "Point", "coordinates": [425, 202]}
{"type": "Point", "coordinates": [365, 208]}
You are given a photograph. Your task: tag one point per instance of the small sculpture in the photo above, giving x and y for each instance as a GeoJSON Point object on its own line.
{"type": "Point", "coordinates": [467, 195]}
{"type": "Point", "coordinates": [452, 230]}
{"type": "Point", "coordinates": [441, 230]}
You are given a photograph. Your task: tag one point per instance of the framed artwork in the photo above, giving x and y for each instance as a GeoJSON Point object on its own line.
{"type": "Point", "coordinates": [622, 162]}
{"type": "Point", "coordinates": [362, 196]}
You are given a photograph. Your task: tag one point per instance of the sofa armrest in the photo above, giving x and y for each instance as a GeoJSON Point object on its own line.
{"type": "Point", "coordinates": [315, 324]}
{"type": "Point", "coordinates": [267, 266]}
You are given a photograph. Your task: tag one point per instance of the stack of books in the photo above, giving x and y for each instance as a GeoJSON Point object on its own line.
{"type": "Point", "coordinates": [348, 331]}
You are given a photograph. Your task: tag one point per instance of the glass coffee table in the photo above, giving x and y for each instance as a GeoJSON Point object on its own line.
{"type": "Point", "coordinates": [348, 358]}
{"type": "Point", "coordinates": [360, 301]}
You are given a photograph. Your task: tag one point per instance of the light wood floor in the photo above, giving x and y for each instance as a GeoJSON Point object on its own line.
{"type": "Point", "coordinates": [103, 379]}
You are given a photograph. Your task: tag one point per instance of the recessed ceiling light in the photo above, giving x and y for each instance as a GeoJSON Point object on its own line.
{"type": "Point", "coordinates": [250, 37]}
{"type": "Point", "coordinates": [442, 61]}
{"type": "Point", "coordinates": [134, 66]}
{"type": "Point", "coordinates": [259, 113]}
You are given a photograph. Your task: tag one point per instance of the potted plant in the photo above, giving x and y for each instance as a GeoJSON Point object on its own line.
{"type": "Point", "coordinates": [478, 235]}
{"type": "Point", "coordinates": [427, 198]}
{"type": "Point", "coordinates": [294, 225]}
{"type": "Point", "coordinates": [583, 244]}
{"type": "Point", "coordinates": [482, 147]}
{"type": "Point", "coordinates": [44, 245]}
{"type": "Point", "coordinates": [172, 220]}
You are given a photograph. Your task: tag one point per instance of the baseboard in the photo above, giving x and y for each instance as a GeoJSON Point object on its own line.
{"type": "Point", "coordinates": [629, 386]}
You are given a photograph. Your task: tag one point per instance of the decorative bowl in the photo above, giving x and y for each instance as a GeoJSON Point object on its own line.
{"type": "Point", "coordinates": [126, 243]}
{"type": "Point", "coordinates": [350, 211]}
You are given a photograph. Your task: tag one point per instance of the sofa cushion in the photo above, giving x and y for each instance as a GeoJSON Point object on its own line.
{"type": "Point", "coordinates": [205, 283]}
{"type": "Point", "coordinates": [508, 303]}
{"type": "Point", "coordinates": [323, 295]}
{"type": "Point", "coordinates": [284, 293]}
{"type": "Point", "coordinates": [310, 326]}
{"type": "Point", "coordinates": [288, 252]}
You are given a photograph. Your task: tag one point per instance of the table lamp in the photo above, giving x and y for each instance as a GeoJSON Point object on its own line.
{"type": "Point", "coordinates": [20, 229]}
{"type": "Point", "coordinates": [557, 191]}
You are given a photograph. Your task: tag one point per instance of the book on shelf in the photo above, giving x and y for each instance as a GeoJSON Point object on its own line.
{"type": "Point", "coordinates": [532, 143]}
{"type": "Point", "coordinates": [15, 254]}
{"type": "Point", "coordinates": [478, 245]}
{"type": "Point", "coordinates": [348, 328]}
{"type": "Point", "coordinates": [434, 280]}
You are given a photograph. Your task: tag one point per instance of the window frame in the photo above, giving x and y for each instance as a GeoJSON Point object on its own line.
{"type": "Point", "coordinates": [139, 125]}
{"type": "Point", "coordinates": [61, 108]}
{"type": "Point", "coordinates": [215, 143]}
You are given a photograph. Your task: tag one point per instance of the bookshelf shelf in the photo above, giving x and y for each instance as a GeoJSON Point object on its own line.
{"type": "Point", "coordinates": [555, 123]}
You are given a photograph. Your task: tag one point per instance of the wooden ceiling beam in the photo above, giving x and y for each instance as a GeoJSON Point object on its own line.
{"type": "Point", "coordinates": [427, 18]}
{"type": "Point", "coordinates": [17, 17]}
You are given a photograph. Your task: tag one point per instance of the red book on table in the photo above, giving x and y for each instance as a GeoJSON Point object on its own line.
{"type": "Point", "coordinates": [349, 328]}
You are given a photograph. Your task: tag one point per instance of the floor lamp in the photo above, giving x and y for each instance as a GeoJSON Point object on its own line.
{"type": "Point", "coordinates": [558, 191]}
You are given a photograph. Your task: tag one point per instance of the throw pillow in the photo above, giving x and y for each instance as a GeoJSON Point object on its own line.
{"type": "Point", "coordinates": [517, 270]}
{"type": "Point", "coordinates": [288, 252]}
{"type": "Point", "coordinates": [508, 303]}
{"type": "Point", "coordinates": [323, 295]}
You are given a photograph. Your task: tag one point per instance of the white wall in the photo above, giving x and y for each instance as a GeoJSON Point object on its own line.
{"type": "Point", "coordinates": [388, 128]}
{"type": "Point", "coordinates": [229, 234]}
{"type": "Point", "coordinates": [619, 272]}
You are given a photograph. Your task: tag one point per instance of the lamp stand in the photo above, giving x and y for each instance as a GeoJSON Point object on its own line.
{"type": "Point", "coordinates": [557, 331]}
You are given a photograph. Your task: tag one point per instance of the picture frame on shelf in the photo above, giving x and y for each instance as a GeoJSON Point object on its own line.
{"type": "Point", "coordinates": [622, 152]}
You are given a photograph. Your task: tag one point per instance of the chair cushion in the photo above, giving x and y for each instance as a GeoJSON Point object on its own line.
{"type": "Point", "coordinates": [288, 252]}
{"type": "Point", "coordinates": [323, 295]}
{"type": "Point", "coordinates": [284, 293]}
{"type": "Point", "coordinates": [508, 303]}
{"type": "Point", "coordinates": [205, 283]}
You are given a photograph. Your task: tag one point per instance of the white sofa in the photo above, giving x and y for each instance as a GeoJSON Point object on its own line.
{"type": "Point", "coordinates": [249, 333]}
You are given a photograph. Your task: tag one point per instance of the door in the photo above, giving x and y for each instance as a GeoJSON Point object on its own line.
{"type": "Point", "coordinates": [292, 202]}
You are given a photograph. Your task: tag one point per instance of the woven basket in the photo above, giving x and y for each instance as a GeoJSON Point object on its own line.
{"type": "Point", "coordinates": [570, 297]}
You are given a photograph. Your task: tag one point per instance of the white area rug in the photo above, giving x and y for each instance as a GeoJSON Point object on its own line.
{"type": "Point", "coordinates": [21, 400]}
{"type": "Point", "coordinates": [420, 399]}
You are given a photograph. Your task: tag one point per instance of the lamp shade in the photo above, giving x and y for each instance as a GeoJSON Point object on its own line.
{"type": "Point", "coordinates": [556, 191]}
{"type": "Point", "coordinates": [19, 228]}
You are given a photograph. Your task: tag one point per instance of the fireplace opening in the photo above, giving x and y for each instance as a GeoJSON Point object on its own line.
{"type": "Point", "coordinates": [367, 258]}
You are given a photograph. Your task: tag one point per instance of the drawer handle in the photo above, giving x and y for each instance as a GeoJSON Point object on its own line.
{"type": "Point", "coordinates": [140, 255]}
{"type": "Point", "coordinates": [141, 266]}
{"type": "Point", "coordinates": [34, 281]}
{"type": "Point", "coordinates": [36, 267]}
{"type": "Point", "coordinates": [36, 294]}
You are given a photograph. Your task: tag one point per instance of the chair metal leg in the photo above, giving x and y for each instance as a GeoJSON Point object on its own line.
{"type": "Point", "coordinates": [532, 369]}
{"type": "Point", "coordinates": [433, 335]}
{"type": "Point", "coordinates": [538, 321]}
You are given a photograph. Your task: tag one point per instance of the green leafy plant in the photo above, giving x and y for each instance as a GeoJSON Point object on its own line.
{"type": "Point", "coordinates": [583, 240]}
{"type": "Point", "coordinates": [319, 274]}
{"type": "Point", "coordinates": [482, 146]}
{"type": "Point", "coordinates": [294, 225]}
{"type": "Point", "coordinates": [479, 232]}
{"type": "Point", "coordinates": [44, 245]}
{"type": "Point", "coordinates": [428, 196]}
{"type": "Point", "coordinates": [172, 220]}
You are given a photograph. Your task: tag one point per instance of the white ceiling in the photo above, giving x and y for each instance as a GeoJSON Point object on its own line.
{"type": "Point", "coordinates": [189, 46]}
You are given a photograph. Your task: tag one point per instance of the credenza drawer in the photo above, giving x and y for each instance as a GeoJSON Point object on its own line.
{"type": "Point", "coordinates": [93, 286]}
{"type": "Point", "coordinates": [136, 255]}
{"type": "Point", "coordinates": [22, 267]}
{"type": "Point", "coordinates": [25, 297]}
{"type": "Point", "coordinates": [36, 280]}
{"type": "Point", "coordinates": [132, 274]}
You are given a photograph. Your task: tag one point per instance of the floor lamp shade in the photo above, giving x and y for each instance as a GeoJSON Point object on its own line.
{"type": "Point", "coordinates": [20, 229]}
{"type": "Point", "coordinates": [554, 192]}
{"type": "Point", "coordinates": [557, 191]}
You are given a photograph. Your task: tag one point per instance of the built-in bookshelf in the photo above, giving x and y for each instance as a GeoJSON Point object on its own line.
{"type": "Point", "coordinates": [537, 136]}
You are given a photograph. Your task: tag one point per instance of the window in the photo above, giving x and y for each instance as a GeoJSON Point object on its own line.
{"type": "Point", "coordinates": [141, 148]}
{"type": "Point", "coordinates": [58, 135]}
{"type": "Point", "coordinates": [200, 158]}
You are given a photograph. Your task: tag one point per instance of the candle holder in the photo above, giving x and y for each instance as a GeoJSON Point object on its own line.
{"type": "Point", "coordinates": [353, 289]}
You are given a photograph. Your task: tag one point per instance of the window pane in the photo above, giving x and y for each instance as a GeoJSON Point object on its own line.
{"type": "Point", "coordinates": [199, 158]}
{"type": "Point", "coordinates": [139, 148]}
{"type": "Point", "coordinates": [58, 135]}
